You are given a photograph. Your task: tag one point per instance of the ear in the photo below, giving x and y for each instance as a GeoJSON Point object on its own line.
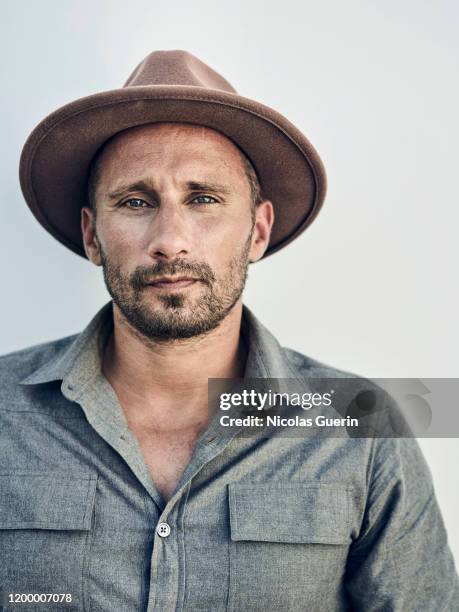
{"type": "Point", "coordinates": [88, 231]}
{"type": "Point", "coordinates": [264, 219]}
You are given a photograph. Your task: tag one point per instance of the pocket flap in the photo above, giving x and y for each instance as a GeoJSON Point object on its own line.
{"type": "Point", "coordinates": [51, 500]}
{"type": "Point", "coordinates": [290, 512]}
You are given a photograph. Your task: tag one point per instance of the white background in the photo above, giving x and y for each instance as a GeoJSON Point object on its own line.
{"type": "Point", "coordinates": [371, 287]}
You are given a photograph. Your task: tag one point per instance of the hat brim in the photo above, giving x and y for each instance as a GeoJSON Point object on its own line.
{"type": "Point", "coordinates": [56, 157]}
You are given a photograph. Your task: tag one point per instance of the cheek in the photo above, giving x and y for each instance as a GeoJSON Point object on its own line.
{"type": "Point", "coordinates": [222, 234]}
{"type": "Point", "coordinates": [121, 239]}
{"type": "Point", "coordinates": [221, 244]}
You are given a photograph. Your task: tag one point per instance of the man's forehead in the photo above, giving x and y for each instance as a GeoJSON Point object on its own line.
{"type": "Point", "coordinates": [161, 136]}
{"type": "Point", "coordinates": [188, 151]}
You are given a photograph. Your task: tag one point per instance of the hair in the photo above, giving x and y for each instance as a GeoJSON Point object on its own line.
{"type": "Point", "coordinates": [255, 188]}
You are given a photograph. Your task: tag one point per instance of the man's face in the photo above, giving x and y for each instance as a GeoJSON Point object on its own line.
{"type": "Point", "coordinates": [174, 201]}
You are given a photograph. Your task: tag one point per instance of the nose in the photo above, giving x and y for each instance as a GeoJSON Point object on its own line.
{"type": "Point", "coordinates": [169, 233]}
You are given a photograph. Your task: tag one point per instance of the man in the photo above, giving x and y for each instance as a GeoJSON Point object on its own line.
{"type": "Point", "coordinates": [119, 491]}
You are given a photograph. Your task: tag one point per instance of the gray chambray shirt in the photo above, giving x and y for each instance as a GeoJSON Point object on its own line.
{"type": "Point", "coordinates": [318, 524]}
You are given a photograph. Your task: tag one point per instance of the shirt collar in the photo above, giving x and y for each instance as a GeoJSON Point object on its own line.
{"type": "Point", "coordinates": [79, 359]}
{"type": "Point", "coordinates": [80, 348]}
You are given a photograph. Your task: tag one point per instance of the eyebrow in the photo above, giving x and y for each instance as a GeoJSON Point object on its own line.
{"type": "Point", "coordinates": [148, 188]}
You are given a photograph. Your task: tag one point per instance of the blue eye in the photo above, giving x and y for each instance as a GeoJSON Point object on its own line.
{"type": "Point", "coordinates": [135, 203]}
{"type": "Point", "coordinates": [205, 196]}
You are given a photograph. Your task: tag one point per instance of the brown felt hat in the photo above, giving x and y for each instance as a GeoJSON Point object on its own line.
{"type": "Point", "coordinates": [169, 86]}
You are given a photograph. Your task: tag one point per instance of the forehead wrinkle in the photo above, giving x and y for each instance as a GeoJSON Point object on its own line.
{"type": "Point", "coordinates": [182, 167]}
{"type": "Point", "coordinates": [167, 135]}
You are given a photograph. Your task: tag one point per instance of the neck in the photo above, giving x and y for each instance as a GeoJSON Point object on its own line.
{"type": "Point", "coordinates": [158, 378]}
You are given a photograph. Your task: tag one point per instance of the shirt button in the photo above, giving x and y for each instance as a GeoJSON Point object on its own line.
{"type": "Point", "coordinates": [163, 530]}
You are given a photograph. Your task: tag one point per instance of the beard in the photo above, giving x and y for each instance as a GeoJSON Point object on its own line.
{"type": "Point", "coordinates": [168, 317]}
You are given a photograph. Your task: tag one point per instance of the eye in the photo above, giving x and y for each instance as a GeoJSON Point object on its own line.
{"type": "Point", "coordinates": [208, 199]}
{"type": "Point", "coordinates": [135, 203]}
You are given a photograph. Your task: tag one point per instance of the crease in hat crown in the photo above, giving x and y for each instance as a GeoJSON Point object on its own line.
{"type": "Point", "coordinates": [169, 86]}
{"type": "Point", "coordinates": [176, 68]}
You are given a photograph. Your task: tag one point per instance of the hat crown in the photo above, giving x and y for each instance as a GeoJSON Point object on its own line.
{"type": "Point", "coordinates": [176, 68]}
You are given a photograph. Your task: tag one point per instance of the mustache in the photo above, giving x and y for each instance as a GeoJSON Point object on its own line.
{"type": "Point", "coordinates": [144, 275]}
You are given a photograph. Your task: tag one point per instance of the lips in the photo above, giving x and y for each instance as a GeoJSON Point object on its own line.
{"type": "Point", "coordinates": [169, 279]}
{"type": "Point", "coordinates": [173, 283]}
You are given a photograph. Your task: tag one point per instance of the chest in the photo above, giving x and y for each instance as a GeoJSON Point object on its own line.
{"type": "Point", "coordinates": [259, 514]}
{"type": "Point", "coordinates": [166, 455]}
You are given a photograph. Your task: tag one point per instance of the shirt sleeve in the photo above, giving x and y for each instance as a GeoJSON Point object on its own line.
{"type": "Point", "coordinates": [401, 560]}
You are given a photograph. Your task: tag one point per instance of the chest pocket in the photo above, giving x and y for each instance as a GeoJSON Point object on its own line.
{"type": "Point", "coordinates": [45, 525]}
{"type": "Point", "coordinates": [288, 545]}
